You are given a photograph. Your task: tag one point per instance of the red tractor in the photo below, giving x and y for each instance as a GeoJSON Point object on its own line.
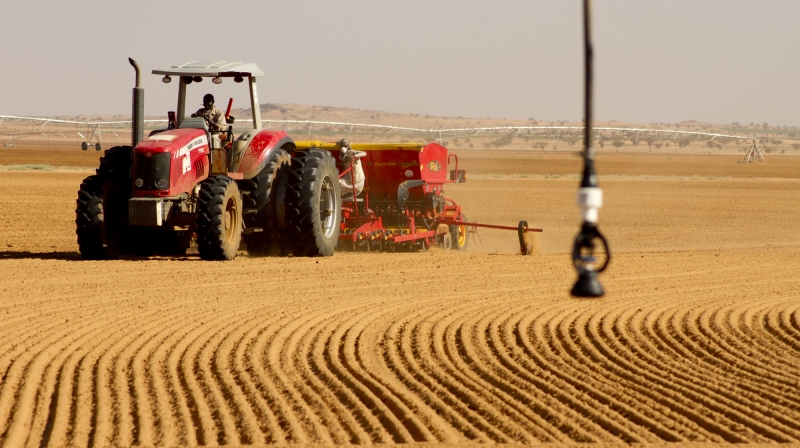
{"type": "Point", "coordinates": [153, 196]}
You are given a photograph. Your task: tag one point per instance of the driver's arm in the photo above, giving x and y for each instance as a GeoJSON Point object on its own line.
{"type": "Point", "coordinates": [217, 121]}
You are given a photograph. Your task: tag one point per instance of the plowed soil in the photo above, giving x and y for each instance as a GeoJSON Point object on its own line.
{"type": "Point", "coordinates": [697, 339]}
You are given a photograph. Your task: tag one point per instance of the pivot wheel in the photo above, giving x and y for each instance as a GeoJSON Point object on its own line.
{"type": "Point", "coordinates": [219, 219]}
{"type": "Point", "coordinates": [458, 233]}
{"type": "Point", "coordinates": [313, 204]}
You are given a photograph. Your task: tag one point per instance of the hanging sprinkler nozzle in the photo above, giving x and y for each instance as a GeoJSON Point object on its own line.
{"type": "Point", "coordinates": [589, 243]}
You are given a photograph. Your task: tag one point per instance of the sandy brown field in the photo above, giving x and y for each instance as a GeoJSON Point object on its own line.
{"type": "Point", "coordinates": [697, 339]}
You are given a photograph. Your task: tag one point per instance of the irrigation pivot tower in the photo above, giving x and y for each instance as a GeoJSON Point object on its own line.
{"type": "Point", "coordinates": [753, 154]}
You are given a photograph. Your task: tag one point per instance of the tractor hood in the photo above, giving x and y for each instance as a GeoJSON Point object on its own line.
{"type": "Point", "coordinates": [170, 163]}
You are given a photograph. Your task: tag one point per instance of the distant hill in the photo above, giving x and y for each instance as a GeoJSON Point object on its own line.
{"type": "Point", "coordinates": [772, 139]}
{"type": "Point", "coordinates": [349, 115]}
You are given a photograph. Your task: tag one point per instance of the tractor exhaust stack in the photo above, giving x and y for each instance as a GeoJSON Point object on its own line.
{"type": "Point", "coordinates": [137, 120]}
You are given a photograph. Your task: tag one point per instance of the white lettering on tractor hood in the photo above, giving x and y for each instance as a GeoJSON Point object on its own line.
{"type": "Point", "coordinates": [162, 137]}
{"type": "Point", "coordinates": [198, 142]}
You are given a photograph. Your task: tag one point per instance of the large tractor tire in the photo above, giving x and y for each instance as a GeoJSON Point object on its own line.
{"type": "Point", "coordinates": [265, 207]}
{"type": "Point", "coordinates": [459, 235]}
{"type": "Point", "coordinates": [219, 218]}
{"type": "Point", "coordinates": [313, 204]}
{"type": "Point", "coordinates": [101, 215]}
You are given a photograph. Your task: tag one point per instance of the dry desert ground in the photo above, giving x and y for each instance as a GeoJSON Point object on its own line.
{"type": "Point", "coordinates": [696, 343]}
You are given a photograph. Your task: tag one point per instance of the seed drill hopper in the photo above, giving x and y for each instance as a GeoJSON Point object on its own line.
{"type": "Point", "coordinates": [403, 206]}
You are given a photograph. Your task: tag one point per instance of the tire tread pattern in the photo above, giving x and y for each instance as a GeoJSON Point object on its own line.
{"type": "Point", "coordinates": [90, 211]}
{"type": "Point", "coordinates": [302, 196]}
{"type": "Point", "coordinates": [210, 215]}
{"type": "Point", "coordinates": [261, 197]}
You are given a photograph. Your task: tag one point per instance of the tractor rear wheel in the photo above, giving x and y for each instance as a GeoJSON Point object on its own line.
{"type": "Point", "coordinates": [265, 208]}
{"type": "Point", "coordinates": [313, 204]}
{"type": "Point", "coordinates": [219, 218]}
{"type": "Point", "coordinates": [459, 235]}
{"type": "Point", "coordinates": [101, 214]}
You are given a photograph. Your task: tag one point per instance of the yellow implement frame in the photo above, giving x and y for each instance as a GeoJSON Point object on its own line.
{"type": "Point", "coordinates": [332, 146]}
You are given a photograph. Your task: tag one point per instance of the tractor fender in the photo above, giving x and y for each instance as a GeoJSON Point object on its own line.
{"type": "Point", "coordinates": [258, 145]}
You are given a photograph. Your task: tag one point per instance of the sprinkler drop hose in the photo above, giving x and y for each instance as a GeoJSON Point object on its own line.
{"type": "Point", "coordinates": [590, 197]}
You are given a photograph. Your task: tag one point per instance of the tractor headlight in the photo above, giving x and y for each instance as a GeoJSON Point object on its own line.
{"type": "Point", "coordinates": [161, 183]}
{"type": "Point", "coordinates": [138, 182]}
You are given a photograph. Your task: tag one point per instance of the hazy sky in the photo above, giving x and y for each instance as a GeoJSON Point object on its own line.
{"type": "Point", "coordinates": [656, 61]}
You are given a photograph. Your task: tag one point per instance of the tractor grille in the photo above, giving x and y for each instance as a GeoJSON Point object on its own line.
{"type": "Point", "coordinates": [199, 167]}
{"type": "Point", "coordinates": [148, 211]}
{"type": "Point", "coordinates": [151, 168]}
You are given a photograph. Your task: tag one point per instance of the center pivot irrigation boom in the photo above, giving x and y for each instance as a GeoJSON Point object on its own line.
{"type": "Point", "coordinates": [590, 196]}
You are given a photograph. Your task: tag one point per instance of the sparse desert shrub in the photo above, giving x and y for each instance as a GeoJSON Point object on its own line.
{"type": "Point", "coordinates": [618, 143]}
{"type": "Point", "coordinates": [502, 141]}
{"type": "Point", "coordinates": [777, 142]}
{"type": "Point", "coordinates": [796, 146]}
{"type": "Point", "coordinates": [767, 150]}
{"type": "Point", "coordinates": [658, 145]}
{"type": "Point", "coordinates": [682, 143]}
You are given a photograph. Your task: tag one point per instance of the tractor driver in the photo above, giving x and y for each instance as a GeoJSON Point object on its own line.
{"type": "Point", "coordinates": [214, 117]}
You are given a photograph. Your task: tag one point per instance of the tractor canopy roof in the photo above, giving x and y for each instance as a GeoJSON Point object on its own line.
{"type": "Point", "coordinates": [219, 68]}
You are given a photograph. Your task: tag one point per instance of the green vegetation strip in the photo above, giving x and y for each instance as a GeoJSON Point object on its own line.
{"type": "Point", "coordinates": [34, 167]}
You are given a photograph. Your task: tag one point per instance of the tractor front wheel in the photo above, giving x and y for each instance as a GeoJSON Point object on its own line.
{"type": "Point", "coordinates": [219, 218]}
{"type": "Point", "coordinates": [99, 219]}
{"type": "Point", "coordinates": [458, 233]}
{"type": "Point", "coordinates": [313, 203]}
{"type": "Point", "coordinates": [101, 214]}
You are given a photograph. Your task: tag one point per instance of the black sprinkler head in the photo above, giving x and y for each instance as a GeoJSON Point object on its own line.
{"type": "Point", "coordinates": [587, 285]}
